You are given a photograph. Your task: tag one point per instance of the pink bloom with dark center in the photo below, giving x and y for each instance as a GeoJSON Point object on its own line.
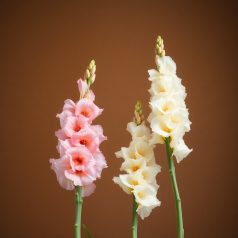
{"type": "Point", "coordinates": [60, 166]}
{"type": "Point", "coordinates": [88, 138]}
{"type": "Point", "coordinates": [81, 170]}
{"type": "Point", "coordinates": [72, 125]}
{"type": "Point", "coordinates": [87, 109]}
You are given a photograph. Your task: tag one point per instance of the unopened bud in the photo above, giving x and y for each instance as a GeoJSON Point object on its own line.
{"type": "Point", "coordinates": [160, 47]}
{"type": "Point", "coordinates": [138, 115]}
{"type": "Point", "coordinates": [92, 64]}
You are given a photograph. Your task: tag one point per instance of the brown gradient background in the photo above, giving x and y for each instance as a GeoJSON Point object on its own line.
{"type": "Point", "coordinates": [45, 47]}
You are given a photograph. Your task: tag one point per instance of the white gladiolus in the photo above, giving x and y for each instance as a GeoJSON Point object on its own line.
{"type": "Point", "coordinates": [140, 169]}
{"type": "Point", "coordinates": [169, 116]}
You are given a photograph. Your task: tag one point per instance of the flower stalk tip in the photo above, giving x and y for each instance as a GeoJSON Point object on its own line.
{"type": "Point", "coordinates": [159, 49]}
{"type": "Point", "coordinates": [90, 75]}
{"type": "Point", "coordinates": [138, 114]}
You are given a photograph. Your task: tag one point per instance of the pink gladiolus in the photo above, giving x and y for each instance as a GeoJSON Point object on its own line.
{"type": "Point", "coordinates": [81, 161]}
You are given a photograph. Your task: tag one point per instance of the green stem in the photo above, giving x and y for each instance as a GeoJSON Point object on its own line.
{"type": "Point", "coordinates": [179, 215]}
{"type": "Point", "coordinates": [134, 218]}
{"type": "Point", "coordinates": [79, 203]}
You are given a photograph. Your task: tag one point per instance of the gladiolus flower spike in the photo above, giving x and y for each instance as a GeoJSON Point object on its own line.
{"type": "Point", "coordinates": [169, 117]}
{"type": "Point", "coordinates": [81, 162]}
{"type": "Point", "coordinates": [140, 169]}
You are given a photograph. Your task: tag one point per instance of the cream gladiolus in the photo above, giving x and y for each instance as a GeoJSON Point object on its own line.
{"type": "Point", "coordinates": [169, 117]}
{"type": "Point", "coordinates": [140, 169]}
{"type": "Point", "coordinates": [169, 121]}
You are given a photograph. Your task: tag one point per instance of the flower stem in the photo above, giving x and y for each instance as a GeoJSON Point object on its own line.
{"type": "Point", "coordinates": [169, 151]}
{"type": "Point", "coordinates": [134, 218]}
{"type": "Point", "coordinates": [79, 203]}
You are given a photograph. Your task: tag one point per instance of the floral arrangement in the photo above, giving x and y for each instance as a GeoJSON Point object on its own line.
{"type": "Point", "coordinates": [81, 162]}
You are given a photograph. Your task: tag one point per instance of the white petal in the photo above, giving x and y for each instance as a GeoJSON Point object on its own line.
{"type": "Point", "coordinates": [144, 211]}
{"type": "Point", "coordinates": [145, 195]}
{"type": "Point", "coordinates": [131, 165]}
{"type": "Point", "coordinates": [149, 172]}
{"type": "Point", "coordinates": [160, 127]}
{"type": "Point", "coordinates": [166, 65]}
{"type": "Point", "coordinates": [153, 74]}
{"type": "Point", "coordinates": [118, 154]}
{"type": "Point", "coordinates": [132, 180]}
{"type": "Point", "coordinates": [118, 181]}
{"type": "Point", "coordinates": [127, 152]}
{"type": "Point", "coordinates": [143, 150]}
{"type": "Point", "coordinates": [138, 131]}
{"type": "Point", "coordinates": [156, 139]}
{"type": "Point", "coordinates": [181, 150]}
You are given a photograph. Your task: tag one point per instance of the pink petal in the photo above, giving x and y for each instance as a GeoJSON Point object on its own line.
{"type": "Point", "coordinates": [100, 164]}
{"type": "Point", "coordinates": [60, 134]}
{"type": "Point", "coordinates": [99, 131]}
{"type": "Point", "coordinates": [88, 190]}
{"type": "Point", "coordinates": [59, 166]}
{"type": "Point", "coordinates": [87, 109]}
{"type": "Point", "coordinates": [88, 138]}
{"type": "Point", "coordinates": [63, 117]}
{"type": "Point", "coordinates": [91, 95]}
{"type": "Point", "coordinates": [63, 146]}
{"type": "Point", "coordinates": [73, 125]}
{"type": "Point", "coordinates": [79, 180]}
{"type": "Point", "coordinates": [82, 166]}
{"type": "Point", "coordinates": [83, 87]}
{"type": "Point", "coordinates": [69, 106]}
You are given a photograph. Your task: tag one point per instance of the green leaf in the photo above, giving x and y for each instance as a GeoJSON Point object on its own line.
{"type": "Point", "coordinates": [88, 232]}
